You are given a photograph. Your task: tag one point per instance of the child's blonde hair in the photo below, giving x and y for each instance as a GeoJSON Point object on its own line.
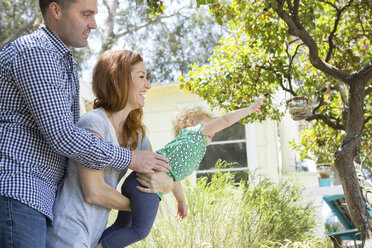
{"type": "Point", "coordinates": [187, 115]}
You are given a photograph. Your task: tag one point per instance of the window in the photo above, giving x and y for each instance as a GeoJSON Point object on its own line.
{"type": "Point", "coordinates": [230, 145]}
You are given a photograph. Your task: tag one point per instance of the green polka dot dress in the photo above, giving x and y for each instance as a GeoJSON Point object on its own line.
{"type": "Point", "coordinates": [185, 152]}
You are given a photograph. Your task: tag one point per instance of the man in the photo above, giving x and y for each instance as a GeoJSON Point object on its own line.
{"type": "Point", "coordinates": [39, 106]}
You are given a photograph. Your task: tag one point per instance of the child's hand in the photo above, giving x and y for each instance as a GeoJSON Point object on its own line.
{"type": "Point", "coordinates": [182, 211]}
{"type": "Point", "coordinates": [257, 104]}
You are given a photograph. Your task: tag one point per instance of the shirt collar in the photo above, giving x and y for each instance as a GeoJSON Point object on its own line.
{"type": "Point", "coordinates": [56, 42]}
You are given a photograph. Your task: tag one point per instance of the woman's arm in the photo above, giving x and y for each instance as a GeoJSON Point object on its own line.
{"type": "Point", "coordinates": [230, 118]}
{"type": "Point", "coordinates": [97, 191]}
{"type": "Point", "coordinates": [156, 182]}
{"type": "Point", "coordinates": [180, 197]}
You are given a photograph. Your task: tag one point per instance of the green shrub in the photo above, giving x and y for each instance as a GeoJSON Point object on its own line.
{"type": "Point", "coordinates": [311, 243]}
{"type": "Point", "coordinates": [224, 213]}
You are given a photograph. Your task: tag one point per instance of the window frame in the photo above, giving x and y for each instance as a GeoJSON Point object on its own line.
{"type": "Point", "coordinates": [251, 151]}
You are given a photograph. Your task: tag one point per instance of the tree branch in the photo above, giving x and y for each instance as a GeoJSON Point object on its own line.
{"type": "Point", "coordinates": [341, 90]}
{"type": "Point", "coordinates": [280, 78]}
{"type": "Point", "coordinates": [142, 25]}
{"type": "Point", "coordinates": [327, 2]}
{"type": "Point", "coordinates": [290, 90]}
{"type": "Point", "coordinates": [367, 120]}
{"type": "Point", "coordinates": [368, 90]}
{"type": "Point", "coordinates": [296, 29]}
{"type": "Point", "coordinates": [105, 3]}
{"type": "Point", "coordinates": [289, 74]}
{"type": "Point", "coordinates": [360, 19]}
{"type": "Point", "coordinates": [333, 32]}
{"type": "Point", "coordinates": [321, 101]}
{"type": "Point", "coordinates": [365, 73]}
{"type": "Point", "coordinates": [331, 35]}
{"type": "Point", "coordinates": [343, 98]}
{"type": "Point", "coordinates": [17, 33]}
{"type": "Point", "coordinates": [296, 6]}
{"type": "Point", "coordinates": [326, 120]}
{"type": "Point", "coordinates": [290, 7]}
{"type": "Point", "coordinates": [108, 32]}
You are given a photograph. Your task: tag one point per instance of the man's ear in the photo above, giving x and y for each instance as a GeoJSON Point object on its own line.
{"type": "Point", "coordinates": [55, 10]}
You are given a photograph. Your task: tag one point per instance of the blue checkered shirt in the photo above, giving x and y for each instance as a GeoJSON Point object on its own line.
{"type": "Point", "coordinates": [39, 106]}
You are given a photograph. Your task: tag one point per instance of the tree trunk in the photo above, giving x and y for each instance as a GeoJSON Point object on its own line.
{"type": "Point", "coordinates": [108, 32]}
{"type": "Point", "coordinates": [345, 161]}
{"type": "Point", "coordinates": [353, 121]}
{"type": "Point", "coordinates": [336, 177]}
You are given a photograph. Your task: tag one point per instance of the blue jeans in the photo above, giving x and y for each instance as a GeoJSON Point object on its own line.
{"type": "Point", "coordinates": [131, 227]}
{"type": "Point", "coordinates": [20, 225]}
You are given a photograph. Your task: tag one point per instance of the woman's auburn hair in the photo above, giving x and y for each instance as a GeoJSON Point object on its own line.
{"type": "Point", "coordinates": [111, 86]}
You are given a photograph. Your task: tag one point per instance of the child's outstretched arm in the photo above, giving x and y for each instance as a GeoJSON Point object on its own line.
{"type": "Point", "coordinates": [181, 200]}
{"type": "Point", "coordinates": [230, 118]}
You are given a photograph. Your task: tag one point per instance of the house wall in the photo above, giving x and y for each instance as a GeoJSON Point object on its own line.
{"type": "Point", "coordinates": [288, 130]}
{"type": "Point", "coordinates": [161, 104]}
{"type": "Point", "coordinates": [267, 149]}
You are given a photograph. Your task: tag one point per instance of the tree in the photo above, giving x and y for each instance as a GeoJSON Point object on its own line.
{"type": "Point", "coordinates": [169, 43]}
{"type": "Point", "coordinates": [188, 37]}
{"type": "Point", "coordinates": [317, 49]}
{"type": "Point", "coordinates": [21, 17]}
{"type": "Point", "coordinates": [17, 17]}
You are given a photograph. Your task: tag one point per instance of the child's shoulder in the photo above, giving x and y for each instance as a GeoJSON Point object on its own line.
{"type": "Point", "coordinates": [192, 130]}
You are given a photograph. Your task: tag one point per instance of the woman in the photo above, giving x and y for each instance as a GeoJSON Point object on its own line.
{"type": "Point", "coordinates": [81, 213]}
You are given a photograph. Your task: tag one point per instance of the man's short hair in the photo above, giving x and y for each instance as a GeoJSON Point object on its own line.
{"type": "Point", "coordinates": [44, 4]}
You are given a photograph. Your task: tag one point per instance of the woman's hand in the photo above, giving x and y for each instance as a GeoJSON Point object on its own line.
{"type": "Point", "coordinates": [155, 182]}
{"type": "Point", "coordinates": [99, 246]}
{"type": "Point", "coordinates": [182, 211]}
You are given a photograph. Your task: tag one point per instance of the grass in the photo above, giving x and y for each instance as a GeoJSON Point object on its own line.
{"type": "Point", "coordinates": [254, 213]}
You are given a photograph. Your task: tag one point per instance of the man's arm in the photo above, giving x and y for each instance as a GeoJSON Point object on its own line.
{"type": "Point", "coordinates": [46, 93]}
{"type": "Point", "coordinates": [148, 162]}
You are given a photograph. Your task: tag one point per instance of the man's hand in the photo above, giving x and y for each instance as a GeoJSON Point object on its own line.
{"type": "Point", "coordinates": [148, 162]}
{"type": "Point", "coordinates": [155, 182]}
